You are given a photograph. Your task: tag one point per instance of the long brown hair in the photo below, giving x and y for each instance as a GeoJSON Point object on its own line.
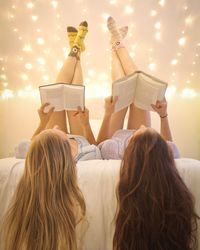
{"type": "Point", "coordinates": [48, 203]}
{"type": "Point", "coordinates": [155, 208]}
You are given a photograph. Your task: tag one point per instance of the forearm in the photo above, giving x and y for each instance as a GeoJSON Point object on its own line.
{"type": "Point", "coordinates": [165, 129]}
{"type": "Point", "coordinates": [88, 134]}
{"type": "Point", "coordinates": [39, 129]}
{"type": "Point", "coordinates": [104, 130]}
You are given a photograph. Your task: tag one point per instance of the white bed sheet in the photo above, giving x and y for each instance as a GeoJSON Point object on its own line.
{"type": "Point", "coordinates": [97, 180]}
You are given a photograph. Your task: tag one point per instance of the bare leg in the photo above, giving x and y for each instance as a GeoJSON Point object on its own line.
{"type": "Point", "coordinates": [65, 76]}
{"type": "Point", "coordinates": [117, 120]}
{"type": "Point", "coordinates": [137, 117]}
{"type": "Point", "coordinates": [75, 127]}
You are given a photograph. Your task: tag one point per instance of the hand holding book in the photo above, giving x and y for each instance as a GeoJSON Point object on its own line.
{"type": "Point", "coordinates": [138, 88]}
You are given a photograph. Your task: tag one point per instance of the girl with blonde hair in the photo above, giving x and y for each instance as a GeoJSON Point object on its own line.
{"type": "Point", "coordinates": [48, 204]}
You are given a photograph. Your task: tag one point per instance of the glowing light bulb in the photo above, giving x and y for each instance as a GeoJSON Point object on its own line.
{"type": "Point", "coordinates": [105, 16]}
{"type": "Point", "coordinates": [5, 84]}
{"type": "Point", "coordinates": [91, 72]}
{"type": "Point", "coordinates": [113, 2]}
{"type": "Point", "coordinates": [152, 66]}
{"type": "Point", "coordinates": [174, 62]}
{"type": "Point", "coordinates": [104, 27]}
{"type": "Point", "coordinates": [24, 77]}
{"type": "Point", "coordinates": [15, 30]}
{"type": "Point", "coordinates": [162, 2]}
{"type": "Point", "coordinates": [7, 93]}
{"type": "Point", "coordinates": [30, 5]}
{"type": "Point", "coordinates": [158, 36]}
{"type": "Point", "coordinates": [28, 87]}
{"type": "Point", "coordinates": [182, 41]}
{"type": "Point", "coordinates": [41, 61]}
{"type": "Point", "coordinates": [188, 93]}
{"type": "Point", "coordinates": [34, 18]}
{"type": "Point", "coordinates": [171, 90]}
{"type": "Point", "coordinates": [154, 13]}
{"type": "Point", "coordinates": [27, 48]}
{"type": "Point", "coordinates": [3, 77]}
{"type": "Point", "coordinates": [28, 66]}
{"type": "Point", "coordinates": [84, 10]}
{"type": "Point", "coordinates": [54, 4]}
{"type": "Point", "coordinates": [128, 9]}
{"type": "Point", "coordinates": [40, 41]}
{"type": "Point", "coordinates": [189, 20]}
{"type": "Point", "coordinates": [45, 77]}
{"type": "Point", "coordinates": [157, 25]}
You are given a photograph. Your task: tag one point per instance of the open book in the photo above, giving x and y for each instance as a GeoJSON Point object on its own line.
{"type": "Point", "coordinates": [63, 96]}
{"type": "Point", "coordinates": [138, 88]}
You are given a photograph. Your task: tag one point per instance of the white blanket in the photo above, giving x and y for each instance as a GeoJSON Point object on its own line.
{"type": "Point", "coordinates": [97, 180]}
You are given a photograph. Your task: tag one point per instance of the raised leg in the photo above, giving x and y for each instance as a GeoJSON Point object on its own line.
{"type": "Point", "coordinates": [137, 116]}
{"type": "Point", "coordinates": [75, 127]}
{"type": "Point", "coordinates": [64, 76]}
{"type": "Point", "coordinates": [117, 120]}
{"type": "Point", "coordinates": [69, 73]}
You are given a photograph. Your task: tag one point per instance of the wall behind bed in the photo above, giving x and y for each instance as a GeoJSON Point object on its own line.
{"type": "Point", "coordinates": [163, 39]}
{"type": "Point", "coordinates": [18, 120]}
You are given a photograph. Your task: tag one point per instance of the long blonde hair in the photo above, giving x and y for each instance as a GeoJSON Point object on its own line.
{"type": "Point", "coordinates": [48, 203]}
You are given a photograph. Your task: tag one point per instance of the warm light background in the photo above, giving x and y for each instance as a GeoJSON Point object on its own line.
{"type": "Point", "coordinates": [163, 39]}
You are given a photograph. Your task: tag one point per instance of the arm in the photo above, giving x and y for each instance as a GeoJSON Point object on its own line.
{"type": "Point", "coordinates": [105, 126]}
{"type": "Point", "coordinates": [44, 118]}
{"type": "Point", "coordinates": [161, 109]}
{"type": "Point", "coordinates": [84, 121]}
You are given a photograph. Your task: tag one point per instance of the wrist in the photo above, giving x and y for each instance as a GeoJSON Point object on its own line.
{"type": "Point", "coordinates": [163, 116]}
{"type": "Point", "coordinates": [42, 124]}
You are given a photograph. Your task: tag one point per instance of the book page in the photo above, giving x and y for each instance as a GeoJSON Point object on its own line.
{"type": "Point", "coordinates": [53, 94]}
{"type": "Point", "coordinates": [125, 89]}
{"type": "Point", "coordinates": [148, 93]}
{"type": "Point", "coordinates": [74, 96]}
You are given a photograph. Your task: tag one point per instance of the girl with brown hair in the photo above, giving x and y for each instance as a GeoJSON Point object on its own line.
{"type": "Point", "coordinates": [155, 208]}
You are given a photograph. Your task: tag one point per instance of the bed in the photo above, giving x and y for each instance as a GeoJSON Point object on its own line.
{"type": "Point", "coordinates": [97, 180]}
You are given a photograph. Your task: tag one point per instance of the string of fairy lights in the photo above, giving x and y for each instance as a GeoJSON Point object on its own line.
{"type": "Point", "coordinates": [33, 46]}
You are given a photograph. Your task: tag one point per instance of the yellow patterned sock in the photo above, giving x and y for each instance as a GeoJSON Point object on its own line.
{"type": "Point", "coordinates": [71, 34]}
{"type": "Point", "coordinates": [82, 31]}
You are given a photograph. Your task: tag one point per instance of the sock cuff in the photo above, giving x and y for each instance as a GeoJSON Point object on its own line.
{"type": "Point", "coordinates": [74, 52]}
{"type": "Point", "coordinates": [117, 45]}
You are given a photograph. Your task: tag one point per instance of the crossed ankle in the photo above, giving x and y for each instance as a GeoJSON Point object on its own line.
{"type": "Point", "coordinates": [117, 45]}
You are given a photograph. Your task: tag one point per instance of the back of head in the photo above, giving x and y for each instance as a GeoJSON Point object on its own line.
{"type": "Point", "coordinates": [43, 214]}
{"type": "Point", "coordinates": [155, 208]}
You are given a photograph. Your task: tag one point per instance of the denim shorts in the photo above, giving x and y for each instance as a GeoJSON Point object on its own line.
{"type": "Point", "coordinates": [86, 151]}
